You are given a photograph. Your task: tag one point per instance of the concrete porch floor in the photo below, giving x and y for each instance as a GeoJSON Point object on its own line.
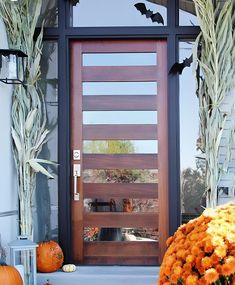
{"type": "Point", "coordinates": [103, 275]}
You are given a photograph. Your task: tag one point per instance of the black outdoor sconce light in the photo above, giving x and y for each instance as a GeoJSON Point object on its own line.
{"type": "Point", "coordinates": [12, 65]}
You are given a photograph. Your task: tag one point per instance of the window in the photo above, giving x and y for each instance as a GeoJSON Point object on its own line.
{"type": "Point", "coordinates": [49, 13]}
{"type": "Point", "coordinates": [46, 194]}
{"type": "Point", "coordinates": [103, 13]}
{"type": "Point", "coordinates": [187, 13]}
{"type": "Point", "coordinates": [192, 166]}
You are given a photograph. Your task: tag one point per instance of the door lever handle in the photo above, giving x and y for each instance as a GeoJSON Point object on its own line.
{"type": "Point", "coordinates": [76, 174]}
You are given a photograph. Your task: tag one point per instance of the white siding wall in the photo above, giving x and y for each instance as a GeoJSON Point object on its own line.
{"type": "Point", "coordinates": [228, 179]}
{"type": "Point", "coordinates": [8, 190]}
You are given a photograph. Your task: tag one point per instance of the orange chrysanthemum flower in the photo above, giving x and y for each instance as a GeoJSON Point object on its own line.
{"type": "Point", "coordinates": [228, 267]}
{"type": "Point", "coordinates": [221, 251]}
{"type": "Point", "coordinates": [191, 280]}
{"type": "Point", "coordinates": [211, 275]}
{"type": "Point", "coordinates": [202, 251]}
{"type": "Point", "coordinates": [206, 262]}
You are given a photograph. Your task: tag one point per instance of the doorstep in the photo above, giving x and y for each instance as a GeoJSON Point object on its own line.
{"type": "Point", "coordinates": [103, 275]}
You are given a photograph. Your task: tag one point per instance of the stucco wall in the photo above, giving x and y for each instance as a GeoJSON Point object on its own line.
{"type": "Point", "coordinates": [8, 190]}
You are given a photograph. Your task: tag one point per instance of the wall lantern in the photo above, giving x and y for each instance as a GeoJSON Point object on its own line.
{"type": "Point", "coordinates": [23, 256]}
{"type": "Point", "coordinates": [12, 66]}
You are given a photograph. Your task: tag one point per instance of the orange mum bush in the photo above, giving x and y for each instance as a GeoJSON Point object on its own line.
{"type": "Point", "coordinates": [202, 251]}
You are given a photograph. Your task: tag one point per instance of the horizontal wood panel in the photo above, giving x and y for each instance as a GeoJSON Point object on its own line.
{"type": "Point", "coordinates": [120, 103]}
{"type": "Point", "coordinates": [121, 220]}
{"type": "Point", "coordinates": [120, 132]}
{"type": "Point", "coordinates": [137, 260]}
{"type": "Point", "coordinates": [119, 46]}
{"type": "Point", "coordinates": [115, 161]}
{"type": "Point", "coordinates": [119, 73]}
{"type": "Point", "coordinates": [120, 190]}
{"type": "Point", "coordinates": [121, 249]}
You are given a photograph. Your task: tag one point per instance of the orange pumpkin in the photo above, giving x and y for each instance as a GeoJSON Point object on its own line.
{"type": "Point", "coordinates": [50, 256]}
{"type": "Point", "coordinates": [9, 275]}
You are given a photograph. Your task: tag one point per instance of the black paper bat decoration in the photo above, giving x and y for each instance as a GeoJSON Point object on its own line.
{"type": "Point", "coordinates": [178, 67]}
{"type": "Point", "coordinates": [155, 17]}
{"type": "Point", "coordinates": [74, 2]}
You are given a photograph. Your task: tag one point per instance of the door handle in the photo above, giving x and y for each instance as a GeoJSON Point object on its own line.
{"type": "Point", "coordinates": [76, 174]}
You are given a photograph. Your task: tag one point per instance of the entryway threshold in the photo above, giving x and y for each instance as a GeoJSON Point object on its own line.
{"type": "Point", "coordinates": [103, 275]}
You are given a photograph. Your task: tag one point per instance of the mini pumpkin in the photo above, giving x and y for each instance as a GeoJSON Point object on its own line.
{"type": "Point", "coordinates": [50, 256]}
{"type": "Point", "coordinates": [9, 275]}
{"type": "Point", "coordinates": [69, 268]}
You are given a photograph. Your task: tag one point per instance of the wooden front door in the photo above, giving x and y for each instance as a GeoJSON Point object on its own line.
{"type": "Point", "coordinates": [119, 147]}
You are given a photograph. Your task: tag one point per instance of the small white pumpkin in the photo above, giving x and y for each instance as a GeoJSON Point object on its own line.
{"type": "Point", "coordinates": [69, 268]}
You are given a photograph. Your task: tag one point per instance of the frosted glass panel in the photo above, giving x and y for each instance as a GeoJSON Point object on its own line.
{"type": "Point", "coordinates": [119, 88]}
{"type": "Point", "coordinates": [119, 59]}
{"type": "Point", "coordinates": [119, 117]}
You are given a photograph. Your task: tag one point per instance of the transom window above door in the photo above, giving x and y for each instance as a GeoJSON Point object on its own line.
{"type": "Point", "coordinates": [113, 13]}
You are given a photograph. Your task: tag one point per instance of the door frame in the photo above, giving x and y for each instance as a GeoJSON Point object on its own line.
{"type": "Point", "coordinates": [63, 34]}
{"type": "Point", "coordinates": [77, 213]}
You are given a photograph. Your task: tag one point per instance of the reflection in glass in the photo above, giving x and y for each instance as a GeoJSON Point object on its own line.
{"type": "Point", "coordinates": [101, 13]}
{"type": "Point", "coordinates": [45, 206]}
{"type": "Point", "coordinates": [49, 14]}
{"type": "Point", "coordinates": [192, 168]}
{"type": "Point", "coordinates": [119, 117]}
{"type": "Point", "coordinates": [187, 13]}
{"type": "Point", "coordinates": [120, 175]}
{"type": "Point", "coordinates": [119, 59]}
{"type": "Point", "coordinates": [140, 234]}
{"type": "Point", "coordinates": [119, 88]}
{"type": "Point", "coordinates": [121, 146]}
{"type": "Point", "coordinates": [120, 234]}
{"type": "Point", "coordinates": [121, 205]}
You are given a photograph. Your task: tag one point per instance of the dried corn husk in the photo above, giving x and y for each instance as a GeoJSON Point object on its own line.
{"type": "Point", "coordinates": [216, 80]}
{"type": "Point", "coordinates": [28, 130]}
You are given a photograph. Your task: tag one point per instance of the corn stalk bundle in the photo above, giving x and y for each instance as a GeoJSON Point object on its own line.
{"type": "Point", "coordinates": [29, 131]}
{"type": "Point", "coordinates": [214, 59]}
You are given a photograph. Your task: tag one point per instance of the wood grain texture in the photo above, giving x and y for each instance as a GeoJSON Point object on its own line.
{"type": "Point", "coordinates": [76, 143]}
{"type": "Point", "coordinates": [108, 260]}
{"type": "Point", "coordinates": [119, 73]}
{"type": "Point", "coordinates": [121, 220]}
{"type": "Point", "coordinates": [120, 132]}
{"type": "Point", "coordinates": [120, 103]}
{"type": "Point", "coordinates": [163, 150]}
{"type": "Point", "coordinates": [116, 161]}
{"type": "Point", "coordinates": [120, 190]}
{"type": "Point", "coordinates": [92, 254]}
{"type": "Point", "coordinates": [101, 46]}
{"type": "Point", "coordinates": [121, 248]}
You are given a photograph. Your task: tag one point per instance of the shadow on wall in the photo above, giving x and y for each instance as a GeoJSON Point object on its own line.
{"type": "Point", "coordinates": [8, 189]}
{"type": "Point", "coordinates": [43, 202]}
